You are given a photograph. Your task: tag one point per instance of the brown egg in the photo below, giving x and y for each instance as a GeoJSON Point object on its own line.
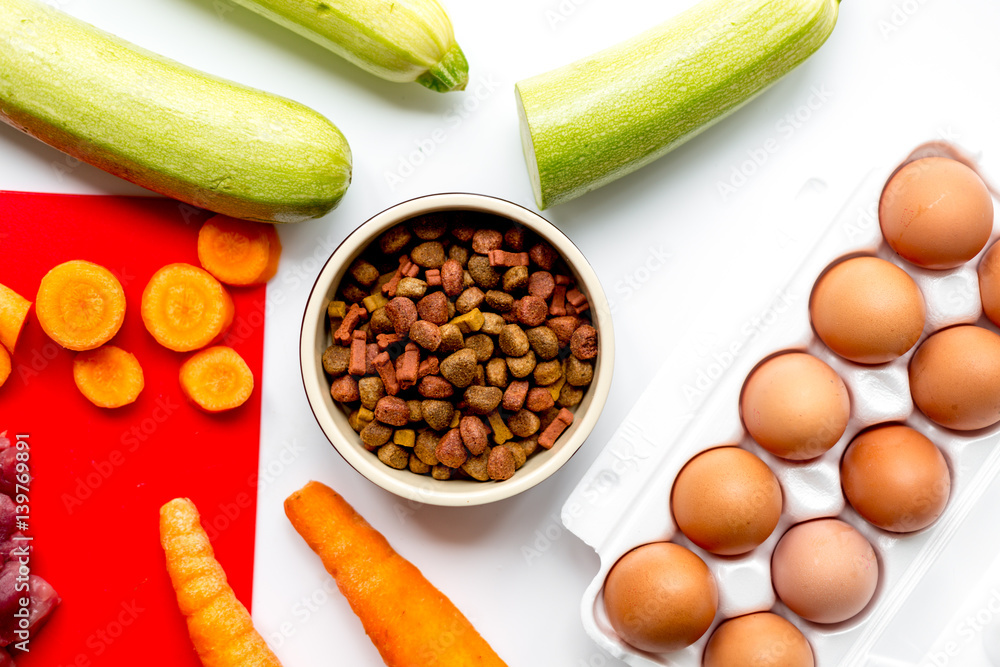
{"type": "Point", "coordinates": [989, 283]}
{"type": "Point", "coordinates": [955, 378]}
{"type": "Point", "coordinates": [795, 406]}
{"type": "Point", "coordinates": [936, 213]}
{"type": "Point", "coordinates": [758, 640]}
{"type": "Point", "coordinates": [895, 478]}
{"type": "Point", "coordinates": [867, 310]}
{"type": "Point", "coordinates": [825, 571]}
{"type": "Point", "coordinates": [726, 500]}
{"type": "Point", "coordinates": [660, 597]}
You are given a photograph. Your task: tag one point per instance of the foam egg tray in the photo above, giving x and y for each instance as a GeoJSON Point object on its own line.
{"type": "Point", "coordinates": [623, 501]}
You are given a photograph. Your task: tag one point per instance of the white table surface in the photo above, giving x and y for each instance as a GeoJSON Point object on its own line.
{"type": "Point", "coordinates": [680, 261]}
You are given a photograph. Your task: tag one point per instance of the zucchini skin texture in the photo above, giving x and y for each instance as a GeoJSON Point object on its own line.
{"type": "Point", "coordinates": [397, 40]}
{"type": "Point", "coordinates": [602, 117]}
{"type": "Point", "coordinates": [162, 125]}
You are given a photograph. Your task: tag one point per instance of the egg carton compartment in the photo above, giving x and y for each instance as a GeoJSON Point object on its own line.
{"type": "Point", "coordinates": [623, 501]}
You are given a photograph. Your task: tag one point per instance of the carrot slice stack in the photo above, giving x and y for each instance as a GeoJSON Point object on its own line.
{"type": "Point", "coordinates": [185, 308]}
{"type": "Point", "coordinates": [13, 311]}
{"type": "Point", "coordinates": [216, 379]}
{"type": "Point", "coordinates": [409, 620]}
{"type": "Point", "coordinates": [109, 376]}
{"type": "Point", "coordinates": [239, 252]}
{"type": "Point", "coordinates": [80, 305]}
{"type": "Point", "coordinates": [220, 626]}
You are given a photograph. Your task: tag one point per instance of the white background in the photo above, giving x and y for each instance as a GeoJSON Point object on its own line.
{"type": "Point", "coordinates": [895, 73]}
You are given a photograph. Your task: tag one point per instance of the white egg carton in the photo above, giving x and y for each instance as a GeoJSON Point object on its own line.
{"type": "Point", "coordinates": [623, 501]}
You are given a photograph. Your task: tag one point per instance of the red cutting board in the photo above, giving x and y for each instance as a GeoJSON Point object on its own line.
{"type": "Point", "coordinates": [100, 476]}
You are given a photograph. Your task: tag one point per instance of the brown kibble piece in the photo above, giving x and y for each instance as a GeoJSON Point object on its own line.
{"type": "Point", "coordinates": [411, 288]}
{"type": "Point", "coordinates": [424, 447]}
{"type": "Point", "coordinates": [374, 435]}
{"type": "Point", "coordinates": [469, 299]}
{"type": "Point", "coordinates": [541, 284]}
{"type": "Point", "coordinates": [460, 254]}
{"type": "Point", "coordinates": [515, 278]}
{"type": "Point", "coordinates": [403, 314]}
{"type": "Point", "coordinates": [344, 389]}
{"type": "Point", "coordinates": [440, 472]}
{"type": "Point", "coordinates": [515, 396]}
{"type": "Point", "coordinates": [482, 400]}
{"type": "Point", "coordinates": [394, 456]}
{"type": "Point", "coordinates": [485, 240]}
{"type": "Point", "coordinates": [538, 400]}
{"type": "Point", "coordinates": [450, 451]}
{"type": "Point", "coordinates": [417, 466]}
{"type": "Point", "coordinates": [481, 345]}
{"type": "Point", "coordinates": [370, 353]}
{"type": "Point", "coordinates": [480, 379]}
{"type": "Point", "coordinates": [393, 411]}
{"type": "Point", "coordinates": [477, 467]}
{"type": "Point", "coordinates": [529, 446]}
{"type": "Point", "coordinates": [437, 414]}
{"type": "Point", "coordinates": [434, 386]}
{"type": "Point", "coordinates": [429, 255]}
{"type": "Point", "coordinates": [563, 327]}
{"type": "Point", "coordinates": [499, 301]}
{"type": "Point", "coordinates": [380, 322]}
{"type": "Point", "coordinates": [521, 367]}
{"type": "Point", "coordinates": [543, 255]}
{"type": "Point", "coordinates": [475, 435]}
{"type": "Point", "coordinates": [451, 338]}
{"type": "Point", "coordinates": [496, 373]}
{"type": "Point", "coordinates": [578, 373]}
{"type": "Point", "coordinates": [364, 272]}
{"type": "Point", "coordinates": [548, 372]}
{"type": "Point", "coordinates": [583, 342]}
{"type": "Point", "coordinates": [501, 464]}
{"type": "Point", "coordinates": [462, 229]}
{"type": "Point", "coordinates": [531, 310]}
{"type": "Point", "coordinates": [555, 429]}
{"type": "Point", "coordinates": [544, 342]}
{"type": "Point", "coordinates": [514, 238]}
{"type": "Point", "coordinates": [386, 371]}
{"type": "Point", "coordinates": [430, 226]}
{"type": "Point", "coordinates": [451, 277]}
{"type": "Point", "coordinates": [517, 452]}
{"type": "Point", "coordinates": [394, 240]}
{"type": "Point", "coordinates": [484, 275]}
{"type": "Point", "coordinates": [492, 324]}
{"type": "Point", "coordinates": [433, 308]}
{"type": "Point", "coordinates": [426, 334]}
{"type": "Point", "coordinates": [351, 293]}
{"type": "Point", "coordinates": [459, 368]}
{"type": "Point", "coordinates": [570, 396]}
{"type": "Point", "coordinates": [524, 423]}
{"type": "Point", "coordinates": [371, 390]}
{"type": "Point", "coordinates": [513, 341]}
{"type": "Point", "coordinates": [336, 360]}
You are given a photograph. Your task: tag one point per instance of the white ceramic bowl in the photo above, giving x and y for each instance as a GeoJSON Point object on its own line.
{"type": "Point", "coordinates": [315, 338]}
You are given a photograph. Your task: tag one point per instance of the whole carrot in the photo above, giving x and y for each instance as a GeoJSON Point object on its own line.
{"type": "Point", "coordinates": [411, 623]}
{"type": "Point", "coordinates": [220, 626]}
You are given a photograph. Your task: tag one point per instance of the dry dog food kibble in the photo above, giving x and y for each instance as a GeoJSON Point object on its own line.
{"type": "Point", "coordinates": [459, 340]}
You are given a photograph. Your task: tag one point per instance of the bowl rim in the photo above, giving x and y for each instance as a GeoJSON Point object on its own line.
{"type": "Point", "coordinates": [421, 488]}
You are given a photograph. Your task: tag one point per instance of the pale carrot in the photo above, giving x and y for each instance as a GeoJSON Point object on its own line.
{"type": "Point", "coordinates": [185, 308]}
{"type": "Point", "coordinates": [216, 379]}
{"type": "Point", "coordinates": [13, 312]}
{"type": "Point", "coordinates": [220, 626]}
{"type": "Point", "coordinates": [411, 623]}
{"type": "Point", "coordinates": [238, 252]}
{"type": "Point", "coordinates": [109, 376]}
{"type": "Point", "coordinates": [80, 305]}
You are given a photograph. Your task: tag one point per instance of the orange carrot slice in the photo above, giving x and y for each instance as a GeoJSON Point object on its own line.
{"type": "Point", "coordinates": [4, 365]}
{"type": "Point", "coordinates": [409, 620]}
{"type": "Point", "coordinates": [219, 625]}
{"type": "Point", "coordinates": [238, 252]}
{"type": "Point", "coordinates": [216, 379]}
{"type": "Point", "coordinates": [13, 312]}
{"type": "Point", "coordinates": [185, 308]}
{"type": "Point", "coordinates": [109, 376]}
{"type": "Point", "coordinates": [80, 305]}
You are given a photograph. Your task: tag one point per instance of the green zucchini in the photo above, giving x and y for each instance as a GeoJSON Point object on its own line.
{"type": "Point", "coordinates": [164, 126]}
{"type": "Point", "coordinates": [598, 119]}
{"type": "Point", "coordinates": [398, 40]}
